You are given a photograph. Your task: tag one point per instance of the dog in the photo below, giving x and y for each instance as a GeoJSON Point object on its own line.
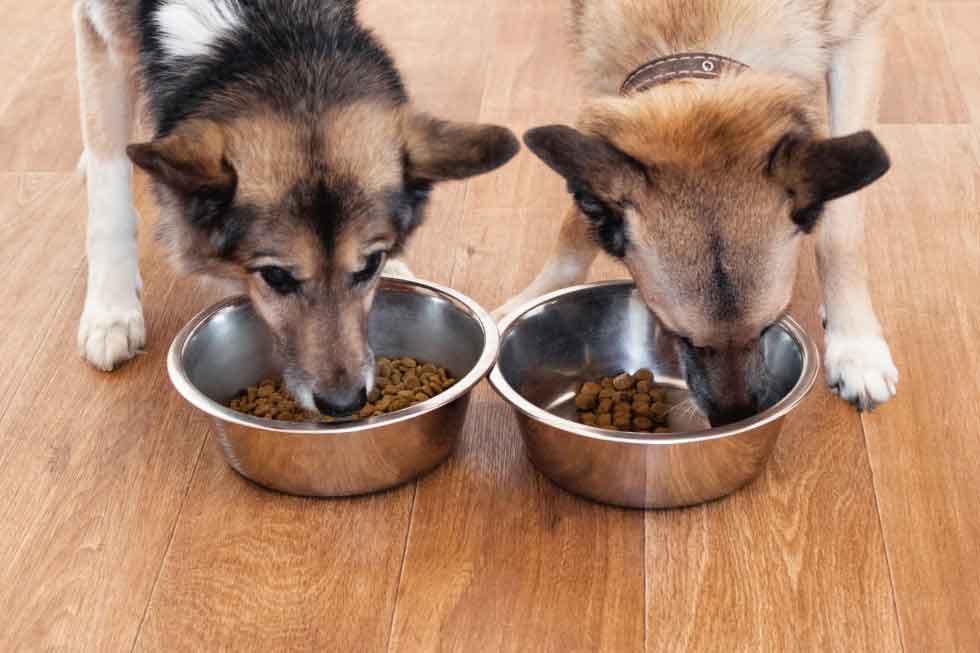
{"type": "Point", "coordinates": [287, 159]}
{"type": "Point", "coordinates": [699, 161]}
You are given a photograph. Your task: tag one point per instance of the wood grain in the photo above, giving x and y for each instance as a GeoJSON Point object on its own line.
{"type": "Point", "coordinates": [795, 562]}
{"type": "Point", "coordinates": [122, 528]}
{"type": "Point", "coordinates": [925, 449]}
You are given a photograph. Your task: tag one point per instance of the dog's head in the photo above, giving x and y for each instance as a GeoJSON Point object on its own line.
{"type": "Point", "coordinates": [705, 191]}
{"type": "Point", "coordinates": [303, 214]}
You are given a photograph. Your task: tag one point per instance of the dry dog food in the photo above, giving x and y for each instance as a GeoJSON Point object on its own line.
{"type": "Point", "coordinates": [399, 383]}
{"type": "Point", "coordinates": [628, 402]}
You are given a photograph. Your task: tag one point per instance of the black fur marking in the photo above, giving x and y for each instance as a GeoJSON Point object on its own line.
{"type": "Point", "coordinates": [407, 208]}
{"type": "Point", "coordinates": [808, 217]}
{"type": "Point", "coordinates": [608, 222]}
{"type": "Point", "coordinates": [232, 230]}
{"type": "Point", "coordinates": [299, 55]}
{"type": "Point", "coordinates": [723, 290]}
{"type": "Point", "coordinates": [324, 208]}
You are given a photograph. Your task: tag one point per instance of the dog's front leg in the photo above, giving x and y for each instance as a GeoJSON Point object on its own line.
{"type": "Point", "coordinates": [567, 266]}
{"type": "Point", "coordinates": [858, 361]}
{"type": "Point", "coordinates": [111, 329]}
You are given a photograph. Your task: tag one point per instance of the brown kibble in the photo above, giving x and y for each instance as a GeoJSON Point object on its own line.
{"type": "Point", "coordinates": [398, 386]}
{"type": "Point", "coordinates": [661, 429]}
{"type": "Point", "coordinates": [642, 423]}
{"type": "Point", "coordinates": [623, 382]}
{"type": "Point", "coordinates": [626, 402]}
{"type": "Point", "coordinates": [586, 401]}
{"type": "Point", "coordinates": [643, 375]}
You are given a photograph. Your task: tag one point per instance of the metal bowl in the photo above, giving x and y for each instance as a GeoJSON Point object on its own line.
{"type": "Point", "coordinates": [227, 348]}
{"type": "Point", "coordinates": [551, 346]}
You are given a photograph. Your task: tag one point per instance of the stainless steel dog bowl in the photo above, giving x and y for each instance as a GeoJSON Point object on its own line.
{"type": "Point", "coordinates": [550, 347]}
{"type": "Point", "coordinates": [227, 348]}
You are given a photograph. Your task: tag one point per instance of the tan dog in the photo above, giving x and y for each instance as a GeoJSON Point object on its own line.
{"type": "Point", "coordinates": [288, 161]}
{"type": "Point", "coordinates": [705, 171]}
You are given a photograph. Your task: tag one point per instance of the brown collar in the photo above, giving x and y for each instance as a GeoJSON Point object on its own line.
{"type": "Point", "coordinates": [696, 65]}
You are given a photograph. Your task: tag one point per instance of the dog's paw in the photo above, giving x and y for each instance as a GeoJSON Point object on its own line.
{"type": "Point", "coordinates": [110, 335]}
{"type": "Point", "coordinates": [860, 370]}
{"type": "Point", "coordinates": [398, 268]}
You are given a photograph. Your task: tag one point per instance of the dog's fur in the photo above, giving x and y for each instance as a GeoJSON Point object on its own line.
{"type": "Point", "coordinates": [287, 159]}
{"type": "Point", "coordinates": [706, 188]}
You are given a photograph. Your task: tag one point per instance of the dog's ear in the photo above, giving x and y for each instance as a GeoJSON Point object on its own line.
{"type": "Point", "coordinates": [817, 171]}
{"type": "Point", "coordinates": [439, 150]}
{"type": "Point", "coordinates": [584, 160]}
{"type": "Point", "coordinates": [190, 160]}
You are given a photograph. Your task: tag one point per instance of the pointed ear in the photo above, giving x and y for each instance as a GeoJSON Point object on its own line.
{"type": "Point", "coordinates": [438, 150]}
{"type": "Point", "coordinates": [582, 159]}
{"type": "Point", "coordinates": [190, 160]}
{"type": "Point", "coordinates": [816, 172]}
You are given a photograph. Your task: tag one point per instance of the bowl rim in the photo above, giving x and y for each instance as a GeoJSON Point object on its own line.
{"type": "Point", "coordinates": [808, 376]}
{"type": "Point", "coordinates": [488, 357]}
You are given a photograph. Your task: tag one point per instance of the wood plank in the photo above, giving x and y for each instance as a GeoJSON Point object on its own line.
{"type": "Point", "coordinates": [498, 558]}
{"type": "Point", "coordinates": [924, 445]}
{"type": "Point", "coordinates": [919, 85]}
{"type": "Point", "coordinates": [102, 467]}
{"type": "Point", "coordinates": [960, 25]}
{"type": "Point", "coordinates": [793, 562]}
{"type": "Point", "coordinates": [39, 123]}
{"type": "Point", "coordinates": [251, 570]}
{"type": "Point", "coordinates": [41, 255]}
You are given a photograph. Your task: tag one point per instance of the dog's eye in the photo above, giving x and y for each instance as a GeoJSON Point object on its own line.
{"type": "Point", "coordinates": [370, 269]}
{"type": "Point", "coordinates": [279, 280]}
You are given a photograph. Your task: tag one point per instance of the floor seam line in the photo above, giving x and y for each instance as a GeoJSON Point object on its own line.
{"type": "Point", "coordinates": [881, 530]}
{"type": "Point", "coordinates": [170, 541]}
{"type": "Point", "coordinates": [401, 568]}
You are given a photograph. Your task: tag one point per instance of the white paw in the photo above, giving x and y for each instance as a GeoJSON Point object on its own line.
{"type": "Point", "coordinates": [860, 370]}
{"type": "Point", "coordinates": [397, 268]}
{"type": "Point", "coordinates": [109, 335]}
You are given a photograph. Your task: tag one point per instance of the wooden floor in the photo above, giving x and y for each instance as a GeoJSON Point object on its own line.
{"type": "Point", "coordinates": [121, 528]}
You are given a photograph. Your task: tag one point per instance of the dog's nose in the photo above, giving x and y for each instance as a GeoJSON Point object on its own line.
{"type": "Point", "coordinates": [335, 409]}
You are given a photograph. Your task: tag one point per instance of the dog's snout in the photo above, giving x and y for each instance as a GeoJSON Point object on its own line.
{"type": "Point", "coordinates": [339, 408]}
{"type": "Point", "coordinates": [731, 414]}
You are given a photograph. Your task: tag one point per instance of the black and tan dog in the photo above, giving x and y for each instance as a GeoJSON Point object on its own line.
{"type": "Point", "coordinates": [287, 159]}
{"type": "Point", "coordinates": [700, 162]}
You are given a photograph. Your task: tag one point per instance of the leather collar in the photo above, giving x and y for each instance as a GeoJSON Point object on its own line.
{"type": "Point", "coordinates": [689, 65]}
